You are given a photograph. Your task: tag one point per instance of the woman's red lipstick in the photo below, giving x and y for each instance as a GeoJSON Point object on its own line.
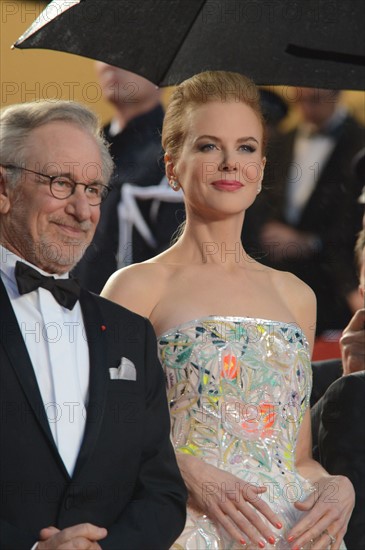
{"type": "Point", "coordinates": [227, 185]}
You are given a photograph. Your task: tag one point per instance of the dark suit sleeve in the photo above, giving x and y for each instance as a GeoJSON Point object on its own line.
{"type": "Point", "coordinates": [12, 537]}
{"type": "Point", "coordinates": [156, 515]}
{"type": "Point", "coordinates": [324, 373]}
{"type": "Point", "coordinates": [341, 442]}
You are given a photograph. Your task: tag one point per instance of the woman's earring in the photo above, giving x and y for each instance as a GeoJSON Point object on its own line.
{"type": "Point", "coordinates": [175, 185]}
{"type": "Point", "coordinates": [259, 187]}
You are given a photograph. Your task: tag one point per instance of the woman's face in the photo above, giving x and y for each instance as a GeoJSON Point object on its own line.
{"type": "Point", "coordinates": [221, 164]}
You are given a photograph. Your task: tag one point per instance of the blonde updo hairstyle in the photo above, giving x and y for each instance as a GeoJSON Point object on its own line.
{"type": "Point", "coordinates": [199, 89]}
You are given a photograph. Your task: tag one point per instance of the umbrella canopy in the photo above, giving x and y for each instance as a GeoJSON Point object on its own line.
{"type": "Point", "coordinates": [317, 43]}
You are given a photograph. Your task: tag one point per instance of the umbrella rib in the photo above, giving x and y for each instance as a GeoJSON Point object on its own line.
{"type": "Point", "coordinates": [311, 53]}
{"type": "Point", "coordinates": [162, 78]}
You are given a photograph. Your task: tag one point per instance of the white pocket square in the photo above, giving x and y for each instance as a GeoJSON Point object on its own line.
{"type": "Point", "coordinates": [125, 371]}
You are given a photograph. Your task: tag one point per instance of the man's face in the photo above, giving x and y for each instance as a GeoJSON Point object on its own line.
{"type": "Point", "coordinates": [317, 105]}
{"type": "Point", "coordinates": [122, 87]}
{"type": "Point", "coordinates": [51, 233]}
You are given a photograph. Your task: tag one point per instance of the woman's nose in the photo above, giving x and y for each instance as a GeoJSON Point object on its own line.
{"type": "Point", "coordinates": [228, 163]}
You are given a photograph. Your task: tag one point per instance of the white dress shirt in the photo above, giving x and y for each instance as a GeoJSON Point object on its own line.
{"type": "Point", "coordinates": [56, 342]}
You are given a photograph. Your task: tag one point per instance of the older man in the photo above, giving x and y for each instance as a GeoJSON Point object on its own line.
{"type": "Point", "coordinates": [86, 460]}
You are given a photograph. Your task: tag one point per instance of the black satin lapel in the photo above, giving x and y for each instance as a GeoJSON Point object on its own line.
{"type": "Point", "coordinates": [95, 328]}
{"type": "Point", "coordinates": [14, 346]}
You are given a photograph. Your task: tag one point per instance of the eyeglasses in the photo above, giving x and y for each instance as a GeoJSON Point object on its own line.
{"type": "Point", "coordinates": [62, 187]}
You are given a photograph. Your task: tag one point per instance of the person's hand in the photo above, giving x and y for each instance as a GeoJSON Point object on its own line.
{"type": "Point", "coordinates": [83, 536]}
{"type": "Point", "coordinates": [228, 501]}
{"type": "Point", "coordinates": [352, 344]}
{"type": "Point", "coordinates": [329, 510]}
{"type": "Point", "coordinates": [284, 242]}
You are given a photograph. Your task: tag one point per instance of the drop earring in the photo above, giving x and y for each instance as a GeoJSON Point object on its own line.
{"type": "Point", "coordinates": [175, 185]}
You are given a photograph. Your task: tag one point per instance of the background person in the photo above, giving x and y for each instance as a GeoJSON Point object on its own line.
{"type": "Point", "coordinates": [341, 444]}
{"type": "Point", "coordinates": [359, 170]}
{"type": "Point", "coordinates": [233, 333]}
{"type": "Point", "coordinates": [337, 427]}
{"type": "Point", "coordinates": [86, 457]}
{"type": "Point", "coordinates": [134, 135]}
{"type": "Point", "coordinates": [308, 210]}
{"type": "Point", "coordinates": [352, 341]}
{"type": "Point", "coordinates": [352, 345]}
{"type": "Point", "coordinates": [337, 418]}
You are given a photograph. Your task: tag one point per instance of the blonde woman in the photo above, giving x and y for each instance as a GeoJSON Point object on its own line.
{"type": "Point", "coordinates": [235, 339]}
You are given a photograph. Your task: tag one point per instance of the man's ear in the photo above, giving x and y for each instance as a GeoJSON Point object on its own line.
{"type": "Point", "coordinates": [4, 198]}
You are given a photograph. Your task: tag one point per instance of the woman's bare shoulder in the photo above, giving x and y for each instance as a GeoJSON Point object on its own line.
{"type": "Point", "coordinates": [291, 285]}
{"type": "Point", "coordinates": [138, 287]}
{"type": "Point", "coordinates": [299, 298]}
{"type": "Point", "coordinates": [291, 290]}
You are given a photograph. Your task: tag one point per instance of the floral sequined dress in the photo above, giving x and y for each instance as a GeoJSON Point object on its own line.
{"type": "Point", "coordinates": [238, 389]}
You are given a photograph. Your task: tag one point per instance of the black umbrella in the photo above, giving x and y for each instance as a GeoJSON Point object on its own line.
{"type": "Point", "coordinates": [317, 43]}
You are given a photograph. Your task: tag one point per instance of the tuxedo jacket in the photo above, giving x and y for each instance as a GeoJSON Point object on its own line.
{"type": "Point", "coordinates": [341, 443]}
{"type": "Point", "coordinates": [126, 477]}
{"type": "Point", "coordinates": [324, 373]}
{"type": "Point", "coordinates": [331, 213]}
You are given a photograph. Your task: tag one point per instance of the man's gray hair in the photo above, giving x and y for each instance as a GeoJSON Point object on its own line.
{"type": "Point", "coordinates": [17, 121]}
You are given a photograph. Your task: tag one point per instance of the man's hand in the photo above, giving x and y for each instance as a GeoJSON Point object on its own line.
{"type": "Point", "coordinates": [352, 344]}
{"type": "Point", "coordinates": [83, 536]}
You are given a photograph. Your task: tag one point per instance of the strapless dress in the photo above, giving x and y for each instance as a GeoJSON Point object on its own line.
{"type": "Point", "coordinates": [238, 389]}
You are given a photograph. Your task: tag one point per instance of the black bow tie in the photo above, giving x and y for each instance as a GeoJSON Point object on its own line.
{"type": "Point", "coordinates": [65, 291]}
{"type": "Point", "coordinates": [333, 132]}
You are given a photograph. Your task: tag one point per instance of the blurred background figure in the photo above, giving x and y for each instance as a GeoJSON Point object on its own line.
{"type": "Point", "coordinates": [308, 211]}
{"type": "Point", "coordinates": [338, 416]}
{"type": "Point", "coordinates": [337, 400]}
{"type": "Point", "coordinates": [359, 170]}
{"type": "Point", "coordinates": [134, 135]}
{"type": "Point", "coordinates": [274, 109]}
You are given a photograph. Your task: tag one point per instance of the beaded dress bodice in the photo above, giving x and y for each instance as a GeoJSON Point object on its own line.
{"type": "Point", "coordinates": [238, 389]}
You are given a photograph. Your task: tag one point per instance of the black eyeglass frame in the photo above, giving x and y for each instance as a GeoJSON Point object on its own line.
{"type": "Point", "coordinates": [104, 188]}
